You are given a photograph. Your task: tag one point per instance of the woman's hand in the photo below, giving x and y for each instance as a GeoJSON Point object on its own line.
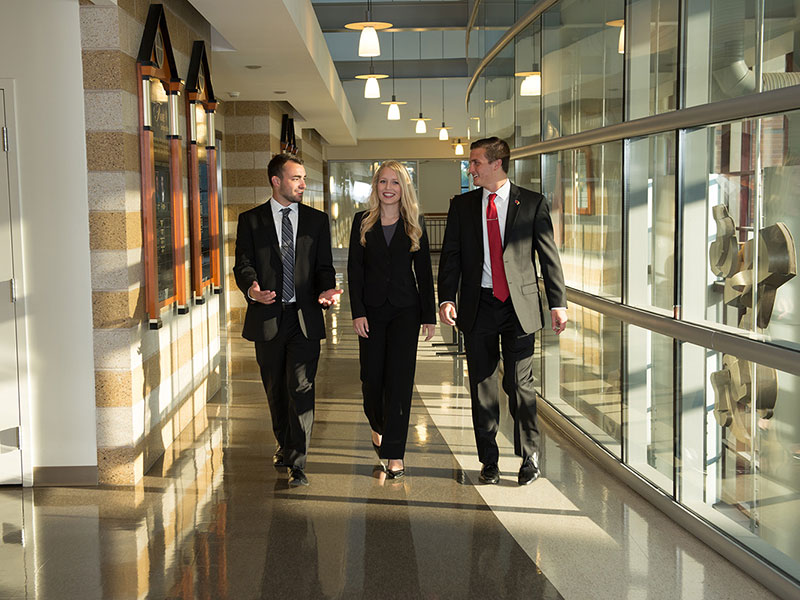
{"type": "Point", "coordinates": [361, 326]}
{"type": "Point", "coordinates": [428, 329]}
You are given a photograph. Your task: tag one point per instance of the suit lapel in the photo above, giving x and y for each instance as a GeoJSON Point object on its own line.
{"type": "Point", "coordinates": [269, 226]}
{"type": "Point", "coordinates": [376, 235]}
{"type": "Point", "coordinates": [511, 214]}
{"type": "Point", "coordinates": [399, 234]}
{"type": "Point", "coordinates": [477, 217]}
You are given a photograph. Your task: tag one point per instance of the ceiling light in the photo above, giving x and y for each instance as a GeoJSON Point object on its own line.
{"type": "Point", "coordinates": [372, 88]}
{"type": "Point", "coordinates": [393, 113]}
{"type": "Point", "coordinates": [443, 135]}
{"type": "Point", "coordinates": [252, 67]}
{"type": "Point", "coordinates": [532, 84]}
{"type": "Point", "coordinates": [368, 44]}
{"type": "Point", "coordinates": [459, 148]}
{"type": "Point", "coordinates": [421, 126]}
{"type": "Point", "coordinates": [621, 24]}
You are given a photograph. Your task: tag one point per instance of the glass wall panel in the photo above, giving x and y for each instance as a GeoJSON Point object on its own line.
{"type": "Point", "coordinates": [649, 405]}
{"type": "Point", "coordinates": [350, 184]}
{"type": "Point", "coordinates": [584, 190]}
{"type": "Point", "coordinates": [741, 223]}
{"type": "Point", "coordinates": [528, 173]}
{"type": "Point", "coordinates": [650, 191]}
{"type": "Point", "coordinates": [652, 57]}
{"type": "Point", "coordinates": [740, 448]}
{"type": "Point", "coordinates": [737, 64]}
{"type": "Point", "coordinates": [582, 66]}
{"type": "Point", "coordinates": [528, 85]}
{"type": "Point", "coordinates": [499, 97]}
{"type": "Point", "coordinates": [582, 374]}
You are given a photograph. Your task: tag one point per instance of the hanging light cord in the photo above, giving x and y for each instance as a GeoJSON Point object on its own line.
{"type": "Point", "coordinates": [393, 65]}
{"type": "Point", "coordinates": [420, 78]}
{"type": "Point", "coordinates": [442, 79]}
{"type": "Point", "coordinates": [443, 101]}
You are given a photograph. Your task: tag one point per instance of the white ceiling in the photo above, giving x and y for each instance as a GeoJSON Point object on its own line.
{"type": "Point", "coordinates": [284, 38]}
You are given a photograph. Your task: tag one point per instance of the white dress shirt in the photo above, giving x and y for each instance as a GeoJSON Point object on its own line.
{"type": "Point", "coordinates": [501, 202]}
{"type": "Point", "coordinates": [277, 217]}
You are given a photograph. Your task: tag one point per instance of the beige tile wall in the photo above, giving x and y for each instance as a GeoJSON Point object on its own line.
{"type": "Point", "coordinates": [149, 384]}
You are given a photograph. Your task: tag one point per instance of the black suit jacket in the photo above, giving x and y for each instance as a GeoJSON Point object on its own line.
{"type": "Point", "coordinates": [380, 272]}
{"type": "Point", "coordinates": [528, 230]}
{"type": "Point", "coordinates": [258, 258]}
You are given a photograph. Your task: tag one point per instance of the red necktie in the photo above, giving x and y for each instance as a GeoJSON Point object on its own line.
{"type": "Point", "coordinates": [499, 282]}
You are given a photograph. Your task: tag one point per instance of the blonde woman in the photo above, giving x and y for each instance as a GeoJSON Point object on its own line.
{"type": "Point", "coordinates": [391, 295]}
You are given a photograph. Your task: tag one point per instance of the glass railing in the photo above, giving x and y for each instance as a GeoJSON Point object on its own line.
{"type": "Point", "coordinates": [666, 136]}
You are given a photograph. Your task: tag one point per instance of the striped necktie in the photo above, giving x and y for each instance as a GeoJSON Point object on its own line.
{"type": "Point", "coordinates": [287, 255]}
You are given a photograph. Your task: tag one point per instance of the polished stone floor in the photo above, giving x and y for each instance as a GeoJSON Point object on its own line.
{"type": "Point", "coordinates": [213, 518]}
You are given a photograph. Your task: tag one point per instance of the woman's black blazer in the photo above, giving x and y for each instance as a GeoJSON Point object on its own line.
{"type": "Point", "coordinates": [378, 272]}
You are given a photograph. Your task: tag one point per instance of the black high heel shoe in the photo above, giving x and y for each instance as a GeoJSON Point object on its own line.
{"type": "Point", "coordinates": [395, 474]}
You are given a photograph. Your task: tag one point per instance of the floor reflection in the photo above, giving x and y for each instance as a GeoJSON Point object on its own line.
{"type": "Point", "coordinates": [213, 519]}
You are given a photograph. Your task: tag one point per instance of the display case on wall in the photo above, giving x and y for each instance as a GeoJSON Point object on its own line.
{"type": "Point", "coordinates": [160, 158]}
{"type": "Point", "coordinates": [202, 168]}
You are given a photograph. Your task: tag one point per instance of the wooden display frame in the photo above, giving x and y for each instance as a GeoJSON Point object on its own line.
{"type": "Point", "coordinates": [200, 93]}
{"type": "Point", "coordinates": [156, 63]}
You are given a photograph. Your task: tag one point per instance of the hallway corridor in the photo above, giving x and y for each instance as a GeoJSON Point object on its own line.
{"type": "Point", "coordinates": [213, 518]}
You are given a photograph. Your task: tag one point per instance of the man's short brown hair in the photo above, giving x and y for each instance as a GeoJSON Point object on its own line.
{"type": "Point", "coordinates": [275, 166]}
{"type": "Point", "coordinates": [495, 149]}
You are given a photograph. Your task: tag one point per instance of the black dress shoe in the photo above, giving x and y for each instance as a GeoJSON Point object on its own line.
{"type": "Point", "coordinates": [529, 471]}
{"type": "Point", "coordinates": [490, 474]}
{"type": "Point", "coordinates": [297, 477]}
{"type": "Point", "coordinates": [277, 458]}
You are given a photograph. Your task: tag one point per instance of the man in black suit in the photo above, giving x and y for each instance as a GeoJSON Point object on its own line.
{"type": "Point", "coordinates": [487, 259]}
{"type": "Point", "coordinates": [285, 270]}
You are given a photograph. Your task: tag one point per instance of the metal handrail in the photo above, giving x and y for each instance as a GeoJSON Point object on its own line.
{"type": "Point", "coordinates": [753, 105]}
{"type": "Point", "coordinates": [758, 351]}
{"type": "Point", "coordinates": [508, 36]}
{"type": "Point", "coordinates": [470, 24]}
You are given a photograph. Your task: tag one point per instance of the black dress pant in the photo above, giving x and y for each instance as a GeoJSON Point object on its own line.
{"type": "Point", "coordinates": [496, 323]}
{"type": "Point", "coordinates": [288, 365]}
{"type": "Point", "coordinates": [388, 361]}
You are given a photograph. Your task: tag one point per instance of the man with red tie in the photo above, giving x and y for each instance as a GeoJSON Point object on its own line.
{"type": "Point", "coordinates": [487, 262]}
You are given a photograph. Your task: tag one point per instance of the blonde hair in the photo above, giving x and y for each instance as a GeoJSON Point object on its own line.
{"type": "Point", "coordinates": [409, 206]}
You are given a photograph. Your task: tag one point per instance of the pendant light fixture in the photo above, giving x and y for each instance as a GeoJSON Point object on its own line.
{"type": "Point", "coordinates": [368, 44]}
{"type": "Point", "coordinates": [393, 114]}
{"type": "Point", "coordinates": [459, 148]}
{"type": "Point", "coordinates": [372, 88]}
{"type": "Point", "coordinates": [421, 127]}
{"type": "Point", "coordinates": [621, 24]}
{"type": "Point", "coordinates": [443, 135]}
{"type": "Point", "coordinates": [532, 84]}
